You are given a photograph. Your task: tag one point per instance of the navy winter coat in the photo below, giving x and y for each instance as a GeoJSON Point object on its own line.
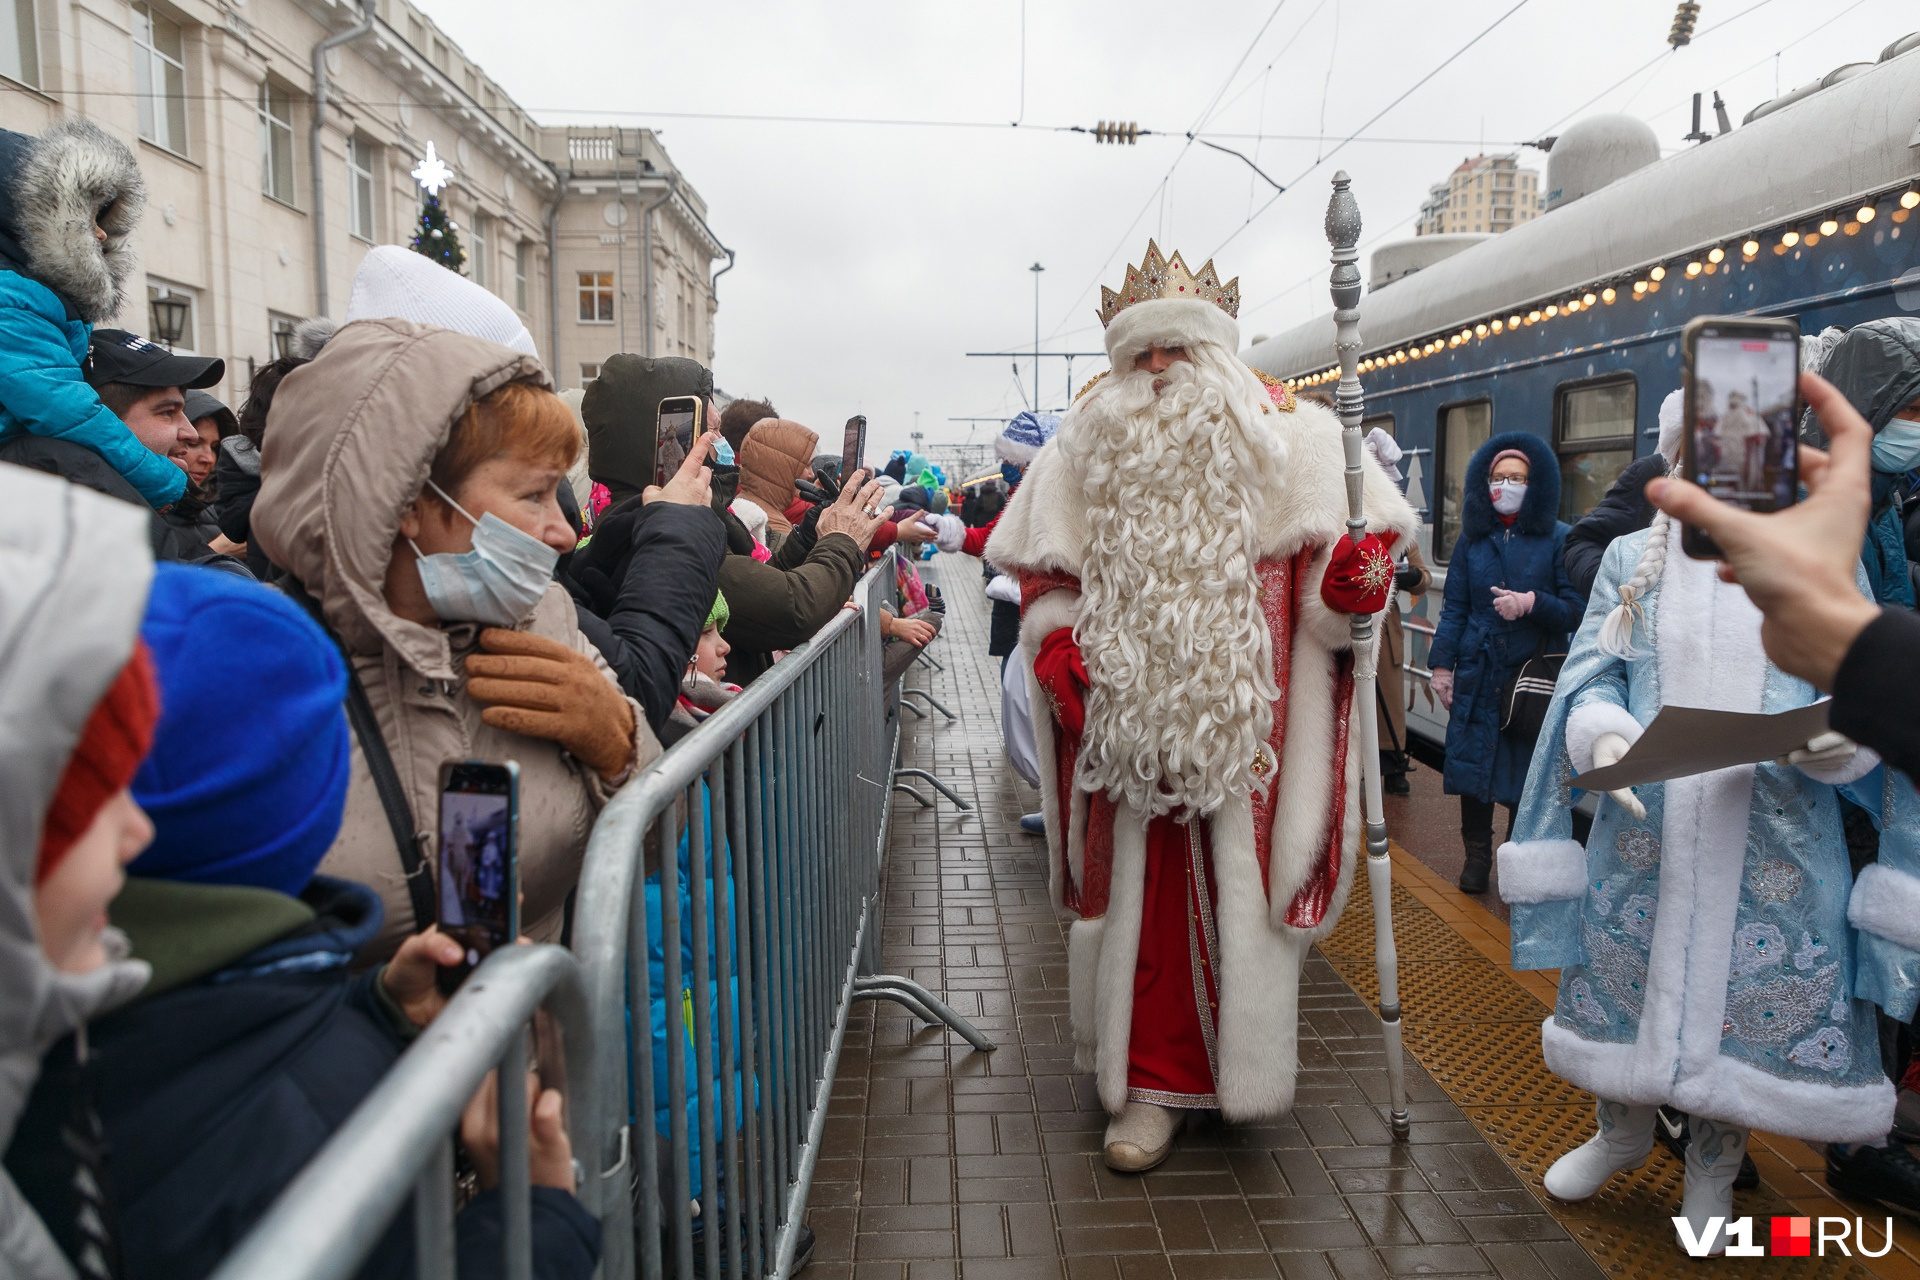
{"type": "Point", "coordinates": [1482, 648]}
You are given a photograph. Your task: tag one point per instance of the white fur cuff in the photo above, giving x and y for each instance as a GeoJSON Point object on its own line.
{"type": "Point", "coordinates": [1585, 724]}
{"type": "Point", "coordinates": [1887, 903]}
{"type": "Point", "coordinates": [1535, 871]}
{"type": "Point", "coordinates": [1862, 762]}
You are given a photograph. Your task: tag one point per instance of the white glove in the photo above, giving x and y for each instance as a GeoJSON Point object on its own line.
{"type": "Point", "coordinates": [952, 531]}
{"type": "Point", "coordinates": [1824, 755]}
{"type": "Point", "coordinates": [1441, 682]}
{"type": "Point", "coordinates": [1607, 749]}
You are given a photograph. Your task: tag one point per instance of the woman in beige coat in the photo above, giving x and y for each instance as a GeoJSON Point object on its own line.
{"type": "Point", "coordinates": [381, 456]}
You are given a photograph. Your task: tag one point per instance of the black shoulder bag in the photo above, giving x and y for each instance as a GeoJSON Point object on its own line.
{"type": "Point", "coordinates": [386, 778]}
{"type": "Point", "coordinates": [1529, 691]}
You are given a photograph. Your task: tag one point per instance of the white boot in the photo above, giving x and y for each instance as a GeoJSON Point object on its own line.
{"type": "Point", "coordinates": [1624, 1140]}
{"type": "Point", "coordinates": [1141, 1136]}
{"type": "Point", "coordinates": [1714, 1152]}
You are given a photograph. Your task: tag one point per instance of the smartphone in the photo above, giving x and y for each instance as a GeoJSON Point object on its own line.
{"type": "Point", "coordinates": [680, 423]}
{"type": "Point", "coordinates": [853, 446]}
{"type": "Point", "coordinates": [1739, 412]}
{"type": "Point", "coordinates": [479, 866]}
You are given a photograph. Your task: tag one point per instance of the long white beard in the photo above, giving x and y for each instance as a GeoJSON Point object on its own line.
{"type": "Point", "coordinates": [1171, 627]}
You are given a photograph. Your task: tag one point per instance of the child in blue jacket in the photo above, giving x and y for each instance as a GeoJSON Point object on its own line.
{"type": "Point", "coordinates": [69, 201]}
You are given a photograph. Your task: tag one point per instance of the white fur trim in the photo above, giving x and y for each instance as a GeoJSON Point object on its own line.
{"type": "Point", "coordinates": [1314, 506]}
{"type": "Point", "coordinates": [1725, 1089]}
{"type": "Point", "coordinates": [1259, 981]}
{"type": "Point", "coordinates": [1084, 938]}
{"type": "Point", "coordinates": [1886, 902]}
{"type": "Point", "coordinates": [1119, 957]}
{"type": "Point", "coordinates": [1670, 413]}
{"type": "Point", "coordinates": [1303, 790]}
{"type": "Point", "coordinates": [1004, 589]}
{"type": "Point", "coordinates": [1018, 452]}
{"type": "Point", "coordinates": [1168, 322]}
{"type": "Point", "coordinates": [1585, 724]}
{"type": "Point", "coordinates": [1535, 871]}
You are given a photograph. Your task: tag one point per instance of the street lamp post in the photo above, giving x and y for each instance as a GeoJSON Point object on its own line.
{"type": "Point", "coordinates": [1036, 268]}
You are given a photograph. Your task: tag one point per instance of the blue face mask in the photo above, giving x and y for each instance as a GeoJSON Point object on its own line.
{"type": "Point", "coordinates": [1896, 450]}
{"type": "Point", "coordinates": [497, 583]}
{"type": "Point", "coordinates": [1010, 473]}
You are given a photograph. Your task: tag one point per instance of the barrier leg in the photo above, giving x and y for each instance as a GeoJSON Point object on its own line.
{"type": "Point", "coordinates": [959, 801]}
{"type": "Point", "coordinates": [932, 701]}
{"type": "Point", "coordinates": [886, 986]}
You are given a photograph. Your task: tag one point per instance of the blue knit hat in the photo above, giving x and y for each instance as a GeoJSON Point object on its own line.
{"type": "Point", "coordinates": [247, 778]}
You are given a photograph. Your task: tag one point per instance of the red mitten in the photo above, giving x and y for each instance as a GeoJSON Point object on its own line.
{"type": "Point", "coordinates": [1063, 678]}
{"type": "Point", "coordinates": [1358, 576]}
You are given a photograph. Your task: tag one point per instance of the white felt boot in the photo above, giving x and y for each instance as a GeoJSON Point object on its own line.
{"type": "Point", "coordinates": [1624, 1140]}
{"type": "Point", "coordinates": [1141, 1136]}
{"type": "Point", "coordinates": [1714, 1152]}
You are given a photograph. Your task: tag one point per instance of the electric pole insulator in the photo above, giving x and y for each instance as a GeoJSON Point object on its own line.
{"type": "Point", "coordinates": [1117, 132]}
{"type": "Point", "coordinates": [1684, 19]}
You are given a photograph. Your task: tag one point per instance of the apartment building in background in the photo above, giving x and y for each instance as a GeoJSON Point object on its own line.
{"type": "Point", "coordinates": [590, 233]}
{"type": "Point", "coordinates": [1487, 194]}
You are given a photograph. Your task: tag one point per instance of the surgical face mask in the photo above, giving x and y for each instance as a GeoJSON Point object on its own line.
{"type": "Point", "coordinates": [1507, 495]}
{"type": "Point", "coordinates": [1896, 449]}
{"type": "Point", "coordinates": [497, 583]}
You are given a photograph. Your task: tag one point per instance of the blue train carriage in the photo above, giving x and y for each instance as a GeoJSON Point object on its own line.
{"type": "Point", "coordinates": [1568, 326]}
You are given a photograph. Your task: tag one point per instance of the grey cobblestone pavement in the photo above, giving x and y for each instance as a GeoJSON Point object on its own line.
{"type": "Point", "coordinates": [940, 1162]}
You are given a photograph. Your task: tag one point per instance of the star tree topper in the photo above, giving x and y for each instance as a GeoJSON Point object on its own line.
{"type": "Point", "coordinates": [432, 173]}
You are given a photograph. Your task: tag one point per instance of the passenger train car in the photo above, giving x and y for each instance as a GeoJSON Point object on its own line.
{"type": "Point", "coordinates": [1568, 325]}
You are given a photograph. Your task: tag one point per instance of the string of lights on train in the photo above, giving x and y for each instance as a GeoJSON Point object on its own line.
{"type": "Point", "coordinates": [1782, 238]}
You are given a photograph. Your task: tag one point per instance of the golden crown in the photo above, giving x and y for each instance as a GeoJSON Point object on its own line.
{"type": "Point", "coordinates": [1158, 277]}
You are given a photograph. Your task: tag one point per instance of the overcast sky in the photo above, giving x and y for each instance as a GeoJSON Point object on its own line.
{"type": "Point", "coordinates": [873, 257]}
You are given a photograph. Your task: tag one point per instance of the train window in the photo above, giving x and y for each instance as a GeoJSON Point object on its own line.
{"type": "Point", "coordinates": [1594, 438]}
{"type": "Point", "coordinates": [1383, 421]}
{"type": "Point", "coordinates": [1463, 428]}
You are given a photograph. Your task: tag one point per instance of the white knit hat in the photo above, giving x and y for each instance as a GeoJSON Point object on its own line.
{"type": "Point", "coordinates": [399, 284]}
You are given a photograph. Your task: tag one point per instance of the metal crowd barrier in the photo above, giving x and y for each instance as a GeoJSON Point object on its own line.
{"type": "Point", "coordinates": [399, 1141]}
{"type": "Point", "coordinates": [782, 799]}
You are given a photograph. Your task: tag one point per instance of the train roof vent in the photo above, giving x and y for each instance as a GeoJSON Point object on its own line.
{"type": "Point", "coordinates": [1845, 71]}
{"type": "Point", "coordinates": [1905, 44]}
{"type": "Point", "coordinates": [1595, 152]}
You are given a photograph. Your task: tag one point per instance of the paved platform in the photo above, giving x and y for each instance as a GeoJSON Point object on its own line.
{"type": "Point", "coordinates": [940, 1163]}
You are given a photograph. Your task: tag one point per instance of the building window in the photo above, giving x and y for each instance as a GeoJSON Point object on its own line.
{"type": "Point", "coordinates": [275, 109]}
{"type": "Point", "coordinates": [522, 256]}
{"type": "Point", "coordinates": [360, 187]}
{"type": "Point", "coordinates": [19, 42]}
{"type": "Point", "coordinates": [280, 330]}
{"type": "Point", "coordinates": [1593, 434]}
{"type": "Point", "coordinates": [1463, 428]}
{"type": "Point", "coordinates": [481, 276]}
{"type": "Point", "coordinates": [596, 297]}
{"type": "Point", "coordinates": [159, 79]}
{"type": "Point", "coordinates": [169, 323]}
{"type": "Point", "coordinates": [588, 372]}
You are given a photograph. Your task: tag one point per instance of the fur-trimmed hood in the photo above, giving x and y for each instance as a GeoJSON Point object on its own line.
{"type": "Point", "coordinates": [1539, 511]}
{"type": "Point", "coordinates": [52, 190]}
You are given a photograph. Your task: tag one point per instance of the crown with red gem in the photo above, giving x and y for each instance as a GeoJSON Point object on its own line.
{"type": "Point", "coordinates": [1157, 277]}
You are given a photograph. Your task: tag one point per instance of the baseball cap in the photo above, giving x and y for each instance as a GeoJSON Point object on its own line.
{"type": "Point", "coordinates": [118, 356]}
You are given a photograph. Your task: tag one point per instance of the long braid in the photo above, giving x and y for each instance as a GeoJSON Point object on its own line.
{"type": "Point", "coordinates": [1616, 633]}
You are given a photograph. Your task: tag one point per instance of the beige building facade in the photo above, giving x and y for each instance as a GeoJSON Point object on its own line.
{"type": "Point", "coordinates": [569, 225]}
{"type": "Point", "coordinates": [1487, 194]}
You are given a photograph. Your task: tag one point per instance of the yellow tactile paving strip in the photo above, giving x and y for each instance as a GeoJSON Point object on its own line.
{"type": "Point", "coordinates": [1474, 1024]}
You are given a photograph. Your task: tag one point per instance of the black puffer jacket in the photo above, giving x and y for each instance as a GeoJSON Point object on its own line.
{"type": "Point", "coordinates": [1624, 510]}
{"type": "Point", "coordinates": [642, 587]}
{"type": "Point", "coordinates": [774, 608]}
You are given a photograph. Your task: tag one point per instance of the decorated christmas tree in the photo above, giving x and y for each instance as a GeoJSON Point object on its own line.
{"type": "Point", "coordinates": [437, 236]}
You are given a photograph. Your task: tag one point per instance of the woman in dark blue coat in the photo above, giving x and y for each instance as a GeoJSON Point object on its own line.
{"type": "Point", "coordinates": [1507, 590]}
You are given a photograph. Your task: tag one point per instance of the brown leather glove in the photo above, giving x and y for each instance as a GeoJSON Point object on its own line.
{"type": "Point", "coordinates": [543, 689]}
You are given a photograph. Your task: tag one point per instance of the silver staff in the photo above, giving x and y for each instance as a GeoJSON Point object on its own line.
{"type": "Point", "coordinates": [1343, 233]}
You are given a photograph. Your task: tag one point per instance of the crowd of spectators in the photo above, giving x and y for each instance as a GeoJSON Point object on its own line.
{"type": "Point", "coordinates": [239, 647]}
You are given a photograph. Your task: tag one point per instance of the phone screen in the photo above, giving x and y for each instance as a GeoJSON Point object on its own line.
{"type": "Point", "coordinates": [853, 447]}
{"type": "Point", "coordinates": [1745, 406]}
{"type": "Point", "coordinates": [679, 426]}
{"type": "Point", "coordinates": [479, 880]}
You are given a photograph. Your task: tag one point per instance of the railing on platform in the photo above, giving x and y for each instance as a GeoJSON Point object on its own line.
{"type": "Point", "coordinates": [399, 1141]}
{"type": "Point", "coordinates": [755, 844]}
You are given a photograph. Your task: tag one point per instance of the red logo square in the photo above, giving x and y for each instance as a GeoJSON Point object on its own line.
{"type": "Point", "coordinates": [1792, 1237]}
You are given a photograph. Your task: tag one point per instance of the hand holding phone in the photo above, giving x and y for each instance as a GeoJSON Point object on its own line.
{"type": "Point", "coordinates": [680, 421]}
{"type": "Point", "coordinates": [691, 485]}
{"type": "Point", "coordinates": [479, 863]}
{"type": "Point", "coordinates": [1739, 412]}
{"type": "Point", "coordinates": [853, 446]}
